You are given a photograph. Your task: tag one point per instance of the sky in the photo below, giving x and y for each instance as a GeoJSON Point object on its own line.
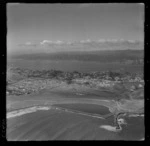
{"type": "Point", "coordinates": [33, 23]}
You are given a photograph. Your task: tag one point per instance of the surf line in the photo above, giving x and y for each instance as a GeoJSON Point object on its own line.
{"type": "Point", "coordinates": [26, 111]}
{"type": "Point", "coordinates": [79, 112]}
{"type": "Point", "coordinates": [116, 128]}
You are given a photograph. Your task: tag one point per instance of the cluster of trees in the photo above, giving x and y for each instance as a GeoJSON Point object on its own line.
{"type": "Point", "coordinates": [69, 76]}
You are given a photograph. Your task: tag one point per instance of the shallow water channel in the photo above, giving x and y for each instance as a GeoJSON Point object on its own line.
{"type": "Point", "coordinates": [86, 108]}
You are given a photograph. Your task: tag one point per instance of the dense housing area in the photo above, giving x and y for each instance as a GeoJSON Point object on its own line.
{"type": "Point", "coordinates": [25, 81]}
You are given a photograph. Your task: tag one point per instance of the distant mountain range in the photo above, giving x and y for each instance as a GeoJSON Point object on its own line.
{"type": "Point", "coordinates": [100, 56]}
{"type": "Point", "coordinates": [47, 46]}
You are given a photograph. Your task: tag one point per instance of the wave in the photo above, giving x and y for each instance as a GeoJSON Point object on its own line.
{"type": "Point", "coordinates": [136, 115]}
{"type": "Point", "coordinates": [110, 128]}
{"type": "Point", "coordinates": [25, 111]}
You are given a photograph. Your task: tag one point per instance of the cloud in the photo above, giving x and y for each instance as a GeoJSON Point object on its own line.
{"type": "Point", "coordinates": [101, 40]}
{"type": "Point", "coordinates": [131, 41]}
{"type": "Point", "coordinates": [28, 44]}
{"type": "Point", "coordinates": [85, 5]}
{"type": "Point", "coordinates": [108, 40]}
{"type": "Point", "coordinates": [51, 42]}
{"type": "Point", "coordinates": [88, 40]}
{"type": "Point", "coordinates": [85, 41]}
{"type": "Point", "coordinates": [116, 40]}
{"type": "Point", "coordinates": [45, 42]}
{"type": "Point", "coordinates": [69, 43]}
{"type": "Point", "coordinates": [58, 42]}
{"type": "Point", "coordinates": [13, 4]}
